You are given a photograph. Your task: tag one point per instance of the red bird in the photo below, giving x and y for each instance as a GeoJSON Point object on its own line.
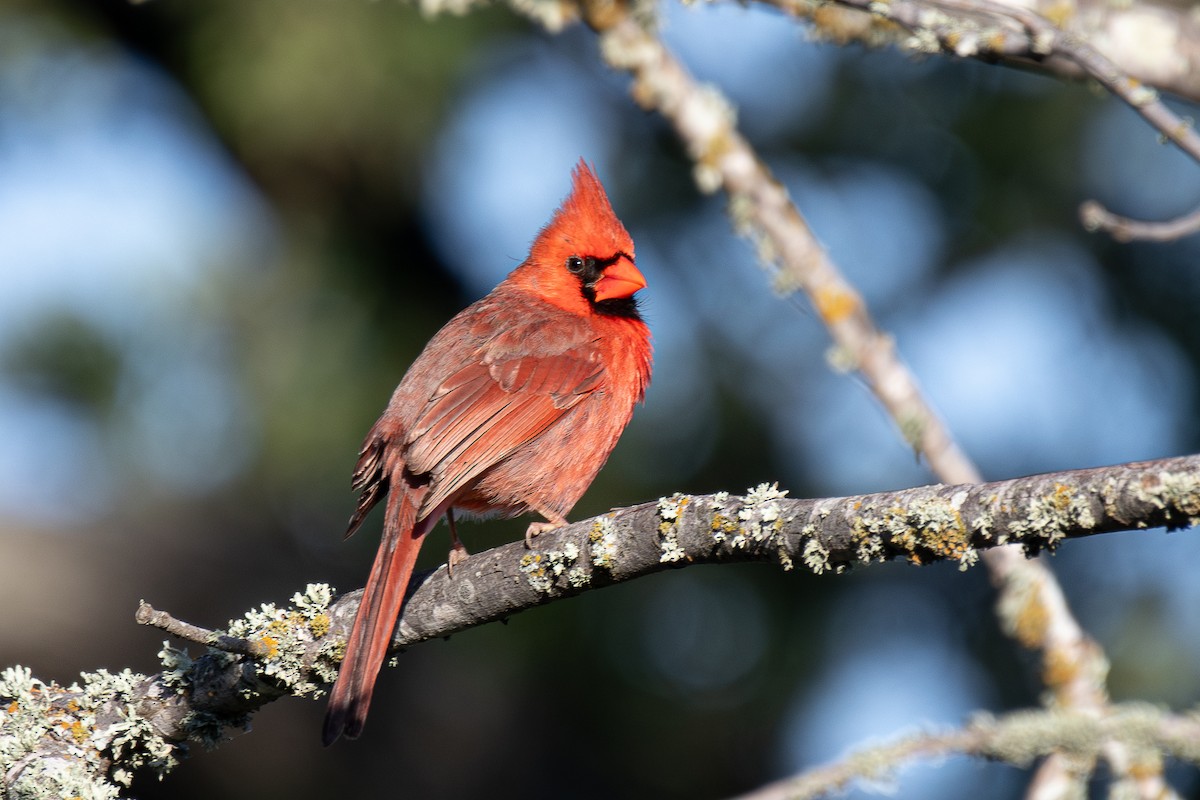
{"type": "Point", "coordinates": [511, 408]}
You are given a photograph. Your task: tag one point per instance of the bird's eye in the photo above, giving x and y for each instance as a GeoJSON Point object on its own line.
{"type": "Point", "coordinates": [575, 264]}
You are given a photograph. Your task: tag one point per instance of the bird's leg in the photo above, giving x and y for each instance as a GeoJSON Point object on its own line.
{"type": "Point", "coordinates": [553, 520]}
{"type": "Point", "coordinates": [458, 551]}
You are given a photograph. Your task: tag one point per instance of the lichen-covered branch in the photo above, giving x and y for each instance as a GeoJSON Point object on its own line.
{"type": "Point", "coordinates": [87, 739]}
{"type": "Point", "coordinates": [1016, 738]}
{"type": "Point", "coordinates": [1155, 42]}
{"type": "Point", "coordinates": [1055, 38]}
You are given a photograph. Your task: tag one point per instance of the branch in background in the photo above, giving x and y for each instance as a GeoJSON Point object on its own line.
{"type": "Point", "coordinates": [995, 29]}
{"type": "Point", "coordinates": [1096, 217]}
{"type": "Point", "coordinates": [1074, 666]}
{"type": "Point", "coordinates": [1016, 738]}
{"type": "Point", "coordinates": [84, 739]}
{"type": "Point", "coordinates": [1156, 42]}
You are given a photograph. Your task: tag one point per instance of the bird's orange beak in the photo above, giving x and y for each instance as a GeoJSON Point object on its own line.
{"type": "Point", "coordinates": [620, 279]}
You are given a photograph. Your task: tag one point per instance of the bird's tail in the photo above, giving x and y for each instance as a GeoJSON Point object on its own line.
{"type": "Point", "coordinates": [377, 614]}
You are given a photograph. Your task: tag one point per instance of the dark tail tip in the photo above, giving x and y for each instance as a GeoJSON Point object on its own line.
{"type": "Point", "coordinates": [332, 730]}
{"type": "Point", "coordinates": [342, 721]}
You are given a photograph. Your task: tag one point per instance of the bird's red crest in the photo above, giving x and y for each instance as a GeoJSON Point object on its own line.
{"type": "Point", "coordinates": [585, 222]}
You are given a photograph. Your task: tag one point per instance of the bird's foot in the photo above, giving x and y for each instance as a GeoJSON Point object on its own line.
{"type": "Point", "coordinates": [458, 551]}
{"type": "Point", "coordinates": [458, 554]}
{"type": "Point", "coordinates": [538, 528]}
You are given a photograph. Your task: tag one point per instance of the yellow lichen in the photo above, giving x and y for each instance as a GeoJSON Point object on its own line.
{"type": "Point", "coordinates": [271, 644]}
{"type": "Point", "coordinates": [834, 303]}
{"type": "Point", "coordinates": [1030, 621]}
{"type": "Point", "coordinates": [319, 625]}
{"type": "Point", "coordinates": [602, 544]}
{"type": "Point", "coordinates": [933, 526]}
{"type": "Point", "coordinates": [1060, 668]}
{"type": "Point", "coordinates": [1059, 13]}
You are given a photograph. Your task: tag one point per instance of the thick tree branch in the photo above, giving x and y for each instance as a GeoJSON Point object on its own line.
{"type": "Point", "coordinates": [922, 525]}
{"type": "Point", "coordinates": [99, 731]}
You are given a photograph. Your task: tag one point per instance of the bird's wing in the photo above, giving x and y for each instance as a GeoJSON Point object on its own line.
{"type": "Point", "coordinates": [519, 387]}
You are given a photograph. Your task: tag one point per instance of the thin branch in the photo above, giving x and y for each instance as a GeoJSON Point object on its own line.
{"type": "Point", "coordinates": [1156, 43]}
{"type": "Point", "coordinates": [1096, 217]}
{"type": "Point", "coordinates": [989, 29]}
{"type": "Point", "coordinates": [1016, 738]}
{"type": "Point", "coordinates": [148, 615]}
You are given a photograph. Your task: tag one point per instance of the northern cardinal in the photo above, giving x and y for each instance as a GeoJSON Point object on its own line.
{"type": "Point", "coordinates": [511, 408]}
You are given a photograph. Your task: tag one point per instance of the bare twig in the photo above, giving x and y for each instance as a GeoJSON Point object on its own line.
{"type": "Point", "coordinates": [1016, 738]}
{"type": "Point", "coordinates": [991, 29]}
{"type": "Point", "coordinates": [1096, 217]}
{"type": "Point", "coordinates": [148, 615]}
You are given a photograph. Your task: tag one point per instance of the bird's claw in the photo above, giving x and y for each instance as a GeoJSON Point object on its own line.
{"type": "Point", "coordinates": [538, 528]}
{"type": "Point", "coordinates": [458, 554]}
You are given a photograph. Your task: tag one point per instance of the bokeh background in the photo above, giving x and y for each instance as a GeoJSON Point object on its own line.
{"type": "Point", "coordinates": [227, 227]}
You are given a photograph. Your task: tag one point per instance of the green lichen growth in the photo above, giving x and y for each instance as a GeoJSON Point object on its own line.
{"type": "Point", "coordinates": [542, 569]}
{"type": "Point", "coordinates": [669, 511]}
{"type": "Point", "coordinates": [761, 521]}
{"type": "Point", "coordinates": [868, 543]}
{"type": "Point", "coordinates": [816, 555]}
{"type": "Point", "coordinates": [331, 653]}
{"type": "Point", "coordinates": [722, 523]}
{"type": "Point", "coordinates": [534, 567]}
{"type": "Point", "coordinates": [1050, 515]}
{"type": "Point", "coordinates": [48, 719]}
{"type": "Point", "coordinates": [932, 527]}
{"type": "Point", "coordinates": [985, 522]}
{"type": "Point", "coordinates": [943, 530]}
{"type": "Point", "coordinates": [177, 668]}
{"type": "Point", "coordinates": [133, 740]}
{"type": "Point", "coordinates": [43, 719]}
{"type": "Point", "coordinates": [602, 544]}
{"type": "Point", "coordinates": [1178, 494]}
{"type": "Point", "coordinates": [285, 635]}
{"type": "Point", "coordinates": [54, 778]}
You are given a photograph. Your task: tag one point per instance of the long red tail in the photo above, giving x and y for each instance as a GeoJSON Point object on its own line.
{"type": "Point", "coordinates": [377, 614]}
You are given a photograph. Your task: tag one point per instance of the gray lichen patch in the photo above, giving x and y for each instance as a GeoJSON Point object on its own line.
{"type": "Point", "coordinates": [52, 745]}
{"type": "Point", "coordinates": [602, 544]}
{"type": "Point", "coordinates": [933, 528]}
{"type": "Point", "coordinates": [761, 520]}
{"type": "Point", "coordinates": [816, 555]}
{"type": "Point", "coordinates": [1178, 494]}
{"type": "Point", "coordinates": [285, 634]}
{"type": "Point", "coordinates": [669, 511]}
{"type": "Point", "coordinates": [542, 569]}
{"type": "Point", "coordinates": [1050, 515]}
